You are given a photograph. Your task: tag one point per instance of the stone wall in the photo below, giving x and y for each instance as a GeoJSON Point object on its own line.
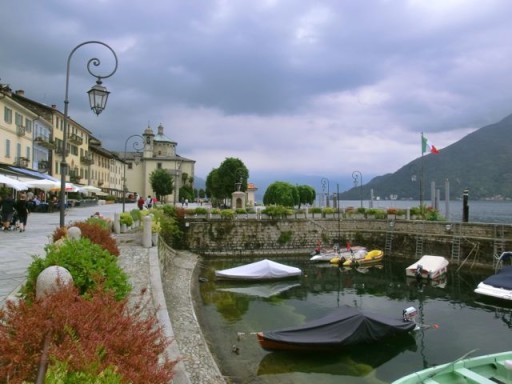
{"type": "Point", "coordinates": [459, 242]}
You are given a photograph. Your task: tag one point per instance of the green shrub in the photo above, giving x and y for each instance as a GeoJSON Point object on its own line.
{"type": "Point", "coordinates": [136, 214]}
{"type": "Point", "coordinates": [126, 218]}
{"type": "Point", "coordinates": [227, 214]}
{"type": "Point", "coordinates": [241, 211]}
{"type": "Point", "coordinates": [277, 211]}
{"type": "Point", "coordinates": [201, 211]}
{"type": "Point", "coordinates": [361, 210]}
{"type": "Point", "coordinates": [88, 263]}
{"type": "Point", "coordinates": [315, 210]}
{"type": "Point", "coordinates": [328, 210]}
{"type": "Point", "coordinates": [100, 222]}
{"type": "Point", "coordinates": [60, 373]}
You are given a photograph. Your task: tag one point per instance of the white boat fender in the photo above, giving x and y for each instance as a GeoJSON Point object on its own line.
{"type": "Point", "coordinates": [508, 364]}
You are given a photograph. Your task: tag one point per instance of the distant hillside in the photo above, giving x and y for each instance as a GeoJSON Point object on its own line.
{"type": "Point", "coordinates": [481, 162]}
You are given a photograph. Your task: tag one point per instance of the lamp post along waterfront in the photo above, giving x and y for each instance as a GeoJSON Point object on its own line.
{"type": "Point", "coordinates": [137, 146]}
{"type": "Point", "coordinates": [358, 180]}
{"type": "Point", "coordinates": [98, 96]}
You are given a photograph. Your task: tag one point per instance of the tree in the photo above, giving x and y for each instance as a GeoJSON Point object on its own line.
{"type": "Point", "coordinates": [281, 193]}
{"type": "Point", "coordinates": [220, 182]}
{"type": "Point", "coordinates": [161, 182]}
{"type": "Point", "coordinates": [307, 194]}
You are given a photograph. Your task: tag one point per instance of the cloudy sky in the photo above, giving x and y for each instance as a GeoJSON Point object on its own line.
{"type": "Point", "coordinates": [289, 87]}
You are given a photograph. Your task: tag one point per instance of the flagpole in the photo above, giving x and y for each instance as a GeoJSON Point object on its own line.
{"type": "Point", "coordinates": [421, 175]}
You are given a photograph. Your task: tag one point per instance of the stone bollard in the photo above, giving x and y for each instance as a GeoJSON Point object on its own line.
{"type": "Point", "coordinates": [117, 223]}
{"type": "Point", "coordinates": [51, 279]}
{"type": "Point", "coordinates": [146, 233]}
{"type": "Point", "coordinates": [74, 233]}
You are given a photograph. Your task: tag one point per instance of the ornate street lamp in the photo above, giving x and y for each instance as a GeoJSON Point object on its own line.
{"type": "Point", "coordinates": [98, 96]}
{"type": "Point", "coordinates": [325, 184]}
{"type": "Point", "coordinates": [137, 146]}
{"type": "Point", "coordinates": [358, 180]}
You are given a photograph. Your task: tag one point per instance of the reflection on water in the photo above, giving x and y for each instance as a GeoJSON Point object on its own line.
{"type": "Point", "coordinates": [456, 321]}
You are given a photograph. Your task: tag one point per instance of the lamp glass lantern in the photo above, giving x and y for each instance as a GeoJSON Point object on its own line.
{"type": "Point", "coordinates": [98, 96]}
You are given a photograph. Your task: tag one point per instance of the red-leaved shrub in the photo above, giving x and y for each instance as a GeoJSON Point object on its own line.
{"type": "Point", "coordinates": [82, 331]}
{"type": "Point", "coordinates": [93, 232]}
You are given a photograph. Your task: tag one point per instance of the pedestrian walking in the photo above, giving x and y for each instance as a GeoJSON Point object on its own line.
{"type": "Point", "coordinates": [22, 211]}
{"type": "Point", "coordinates": [7, 207]}
{"type": "Point", "coordinates": [140, 203]}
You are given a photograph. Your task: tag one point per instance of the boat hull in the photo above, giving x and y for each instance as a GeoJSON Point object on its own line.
{"type": "Point", "coordinates": [328, 255]}
{"type": "Point", "coordinates": [488, 369]}
{"type": "Point", "coordinates": [428, 267]}
{"type": "Point", "coordinates": [345, 327]}
{"type": "Point", "coordinates": [372, 257]}
{"type": "Point", "coordinates": [498, 285]}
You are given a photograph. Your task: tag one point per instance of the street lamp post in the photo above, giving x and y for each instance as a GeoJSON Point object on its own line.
{"type": "Point", "coordinates": [325, 184]}
{"type": "Point", "coordinates": [358, 180]}
{"type": "Point", "coordinates": [137, 146]}
{"type": "Point", "coordinates": [98, 96]}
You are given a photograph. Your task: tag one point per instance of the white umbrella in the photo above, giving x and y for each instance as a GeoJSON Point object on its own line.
{"type": "Point", "coordinates": [43, 184]}
{"type": "Point", "coordinates": [90, 188]}
{"type": "Point", "coordinates": [13, 183]}
{"type": "Point", "coordinates": [70, 187]}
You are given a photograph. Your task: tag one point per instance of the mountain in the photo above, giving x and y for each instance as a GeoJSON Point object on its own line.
{"type": "Point", "coordinates": [480, 162]}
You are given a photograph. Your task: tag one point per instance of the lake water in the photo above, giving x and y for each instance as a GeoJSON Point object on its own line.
{"type": "Point", "coordinates": [479, 211]}
{"type": "Point", "coordinates": [459, 321]}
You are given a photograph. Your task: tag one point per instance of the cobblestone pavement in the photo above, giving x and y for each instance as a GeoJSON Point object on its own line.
{"type": "Point", "coordinates": [197, 365]}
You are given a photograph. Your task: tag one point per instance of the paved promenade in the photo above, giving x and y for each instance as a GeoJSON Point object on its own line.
{"type": "Point", "coordinates": [142, 266]}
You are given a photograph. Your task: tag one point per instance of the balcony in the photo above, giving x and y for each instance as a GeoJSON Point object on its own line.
{"type": "Point", "coordinates": [20, 130]}
{"type": "Point", "coordinates": [43, 166]}
{"type": "Point", "coordinates": [75, 139]}
{"type": "Point", "coordinates": [58, 151]}
{"type": "Point", "coordinates": [86, 160]}
{"type": "Point", "coordinates": [44, 142]}
{"type": "Point", "coordinates": [21, 162]}
{"type": "Point", "coordinates": [74, 175]}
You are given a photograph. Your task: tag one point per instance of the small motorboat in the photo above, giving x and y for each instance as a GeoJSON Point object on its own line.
{"type": "Point", "coordinates": [428, 267]}
{"type": "Point", "coordinates": [498, 285]}
{"type": "Point", "coordinates": [487, 369]}
{"type": "Point", "coordinates": [359, 259]}
{"type": "Point", "coordinates": [326, 254]}
{"type": "Point", "coordinates": [259, 270]}
{"type": "Point", "coordinates": [348, 326]}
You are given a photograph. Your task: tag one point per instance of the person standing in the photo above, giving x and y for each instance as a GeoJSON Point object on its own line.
{"type": "Point", "coordinates": [22, 211]}
{"type": "Point", "coordinates": [7, 211]}
{"type": "Point", "coordinates": [140, 203]}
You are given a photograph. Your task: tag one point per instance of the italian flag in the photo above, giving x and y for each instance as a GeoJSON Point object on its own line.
{"type": "Point", "coordinates": [426, 146]}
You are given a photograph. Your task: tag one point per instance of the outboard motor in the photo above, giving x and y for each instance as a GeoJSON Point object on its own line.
{"type": "Point", "coordinates": [417, 273]}
{"type": "Point", "coordinates": [408, 314]}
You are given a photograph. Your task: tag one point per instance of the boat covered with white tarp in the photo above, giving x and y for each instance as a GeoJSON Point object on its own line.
{"type": "Point", "coordinates": [260, 270]}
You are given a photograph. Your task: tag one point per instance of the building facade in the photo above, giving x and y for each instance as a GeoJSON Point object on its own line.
{"type": "Point", "coordinates": [32, 138]}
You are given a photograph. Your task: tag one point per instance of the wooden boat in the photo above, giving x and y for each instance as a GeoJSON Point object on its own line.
{"type": "Point", "coordinates": [498, 285]}
{"type": "Point", "coordinates": [359, 258]}
{"type": "Point", "coordinates": [487, 369]}
{"type": "Point", "coordinates": [259, 270]}
{"type": "Point", "coordinates": [346, 327]}
{"type": "Point", "coordinates": [428, 267]}
{"type": "Point", "coordinates": [327, 255]}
